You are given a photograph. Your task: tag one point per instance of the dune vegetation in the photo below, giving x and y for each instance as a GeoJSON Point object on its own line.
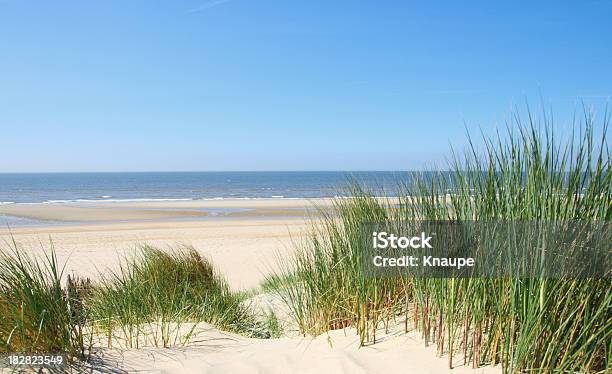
{"type": "Point", "coordinates": [524, 324]}
{"type": "Point", "coordinates": [39, 313]}
{"type": "Point", "coordinates": [157, 298]}
{"type": "Point", "coordinates": [155, 293]}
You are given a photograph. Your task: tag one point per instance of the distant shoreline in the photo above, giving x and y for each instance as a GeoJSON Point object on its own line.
{"type": "Point", "coordinates": [107, 212]}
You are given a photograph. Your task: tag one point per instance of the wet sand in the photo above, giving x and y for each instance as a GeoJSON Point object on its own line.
{"type": "Point", "coordinates": [161, 210]}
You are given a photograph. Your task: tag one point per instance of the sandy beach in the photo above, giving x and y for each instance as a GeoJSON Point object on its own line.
{"type": "Point", "coordinates": [242, 237]}
{"type": "Point", "coordinates": [245, 239]}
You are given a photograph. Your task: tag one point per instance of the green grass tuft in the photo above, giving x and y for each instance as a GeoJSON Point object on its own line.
{"type": "Point", "coordinates": [37, 313]}
{"type": "Point", "coordinates": [167, 290]}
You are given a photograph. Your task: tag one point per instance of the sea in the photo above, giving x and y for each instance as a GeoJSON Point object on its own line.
{"type": "Point", "coordinates": [158, 186]}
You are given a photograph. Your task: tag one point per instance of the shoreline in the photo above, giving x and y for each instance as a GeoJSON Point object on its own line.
{"type": "Point", "coordinates": [79, 213]}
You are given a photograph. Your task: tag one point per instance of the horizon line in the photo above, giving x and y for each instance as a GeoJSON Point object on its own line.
{"type": "Point", "coordinates": [209, 171]}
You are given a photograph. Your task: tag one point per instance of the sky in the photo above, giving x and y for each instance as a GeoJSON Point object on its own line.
{"type": "Point", "coordinates": [285, 85]}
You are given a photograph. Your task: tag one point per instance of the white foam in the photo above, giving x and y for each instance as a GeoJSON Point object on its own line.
{"type": "Point", "coordinates": [103, 199]}
{"type": "Point", "coordinates": [108, 200]}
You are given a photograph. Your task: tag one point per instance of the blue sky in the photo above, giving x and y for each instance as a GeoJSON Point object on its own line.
{"type": "Point", "coordinates": [283, 85]}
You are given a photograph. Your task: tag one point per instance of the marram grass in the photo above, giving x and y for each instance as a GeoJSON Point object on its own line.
{"type": "Point", "coordinates": [148, 301]}
{"type": "Point", "coordinates": [166, 290]}
{"type": "Point", "coordinates": [523, 324]}
{"type": "Point", "coordinates": [38, 314]}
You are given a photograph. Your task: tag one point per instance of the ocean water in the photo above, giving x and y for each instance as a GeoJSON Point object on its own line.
{"type": "Point", "coordinates": [74, 187]}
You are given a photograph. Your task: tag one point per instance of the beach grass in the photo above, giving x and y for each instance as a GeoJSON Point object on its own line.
{"type": "Point", "coordinates": [528, 324]}
{"type": "Point", "coordinates": [167, 290]}
{"type": "Point", "coordinates": [37, 313]}
{"type": "Point", "coordinates": [157, 298]}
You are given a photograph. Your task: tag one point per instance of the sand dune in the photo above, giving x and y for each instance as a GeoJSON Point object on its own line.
{"type": "Point", "coordinates": [338, 351]}
{"type": "Point", "coordinates": [245, 248]}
